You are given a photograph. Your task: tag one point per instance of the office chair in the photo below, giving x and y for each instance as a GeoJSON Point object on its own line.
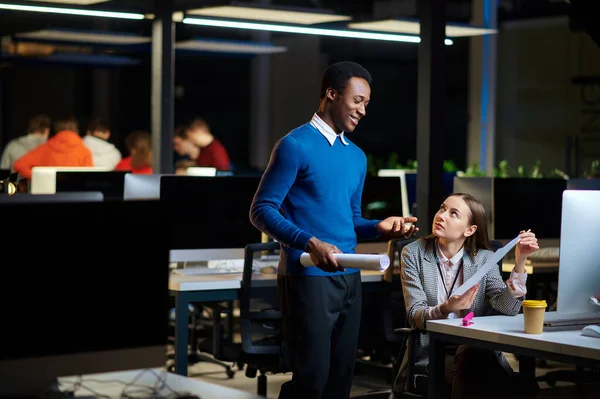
{"type": "Point", "coordinates": [261, 329]}
{"type": "Point", "coordinates": [206, 337]}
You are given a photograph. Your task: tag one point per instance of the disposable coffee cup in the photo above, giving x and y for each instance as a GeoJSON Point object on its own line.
{"type": "Point", "coordinates": [533, 315]}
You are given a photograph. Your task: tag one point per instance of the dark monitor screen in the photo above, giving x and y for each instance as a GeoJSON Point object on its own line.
{"type": "Point", "coordinates": [524, 203]}
{"type": "Point", "coordinates": [111, 183]}
{"type": "Point", "coordinates": [583, 184]}
{"type": "Point", "coordinates": [209, 212]}
{"type": "Point", "coordinates": [381, 197]}
{"type": "Point", "coordinates": [76, 281]}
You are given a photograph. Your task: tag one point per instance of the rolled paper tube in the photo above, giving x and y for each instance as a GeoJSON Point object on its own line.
{"type": "Point", "coordinates": [359, 261]}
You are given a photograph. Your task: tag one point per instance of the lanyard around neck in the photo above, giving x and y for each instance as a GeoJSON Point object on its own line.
{"type": "Point", "coordinates": [437, 261]}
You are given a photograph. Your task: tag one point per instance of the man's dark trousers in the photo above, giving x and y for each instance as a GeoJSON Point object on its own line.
{"type": "Point", "coordinates": [321, 320]}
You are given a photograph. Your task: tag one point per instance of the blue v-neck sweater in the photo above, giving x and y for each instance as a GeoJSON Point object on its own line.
{"type": "Point", "coordinates": [312, 188]}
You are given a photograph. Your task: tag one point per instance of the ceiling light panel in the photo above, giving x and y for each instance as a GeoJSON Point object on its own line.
{"type": "Point", "coordinates": [269, 15]}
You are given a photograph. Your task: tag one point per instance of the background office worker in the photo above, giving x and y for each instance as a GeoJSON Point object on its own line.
{"type": "Point", "coordinates": [315, 178]}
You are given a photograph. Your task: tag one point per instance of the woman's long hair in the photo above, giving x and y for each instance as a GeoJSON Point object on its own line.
{"type": "Point", "coordinates": [479, 240]}
{"type": "Point", "coordinates": [139, 144]}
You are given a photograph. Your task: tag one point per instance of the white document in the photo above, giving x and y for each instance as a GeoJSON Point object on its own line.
{"type": "Point", "coordinates": [499, 254]}
{"type": "Point", "coordinates": [360, 261]}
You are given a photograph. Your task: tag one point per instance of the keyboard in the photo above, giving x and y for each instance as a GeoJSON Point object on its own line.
{"type": "Point", "coordinates": [571, 319]}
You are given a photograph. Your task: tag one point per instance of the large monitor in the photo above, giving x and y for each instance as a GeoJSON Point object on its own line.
{"type": "Point", "coordinates": [209, 216]}
{"type": "Point", "coordinates": [579, 265]}
{"type": "Point", "coordinates": [109, 183]}
{"type": "Point", "coordinates": [43, 178]}
{"type": "Point", "coordinates": [525, 203]}
{"type": "Point", "coordinates": [80, 293]}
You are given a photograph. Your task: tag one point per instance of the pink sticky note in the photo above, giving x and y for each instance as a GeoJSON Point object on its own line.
{"type": "Point", "coordinates": [466, 321]}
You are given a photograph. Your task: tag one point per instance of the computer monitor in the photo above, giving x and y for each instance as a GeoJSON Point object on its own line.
{"type": "Point", "coordinates": [201, 171]}
{"type": "Point", "coordinates": [82, 293]}
{"type": "Point", "coordinates": [24, 198]}
{"type": "Point", "coordinates": [583, 184]}
{"type": "Point", "coordinates": [109, 183]}
{"type": "Point", "coordinates": [43, 178]}
{"type": "Point", "coordinates": [209, 216]}
{"type": "Point", "coordinates": [142, 187]}
{"type": "Point", "coordinates": [579, 264]}
{"type": "Point", "coordinates": [525, 203]}
{"type": "Point", "coordinates": [381, 197]}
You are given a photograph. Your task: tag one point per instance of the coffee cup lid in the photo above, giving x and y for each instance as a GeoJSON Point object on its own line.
{"type": "Point", "coordinates": [530, 303]}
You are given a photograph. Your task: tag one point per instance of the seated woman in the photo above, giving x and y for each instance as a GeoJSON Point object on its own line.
{"type": "Point", "coordinates": [434, 266]}
{"type": "Point", "coordinates": [139, 161]}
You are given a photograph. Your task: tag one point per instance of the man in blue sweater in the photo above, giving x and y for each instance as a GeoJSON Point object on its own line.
{"type": "Point", "coordinates": [309, 200]}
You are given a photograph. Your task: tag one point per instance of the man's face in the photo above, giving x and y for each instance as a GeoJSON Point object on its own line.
{"type": "Point", "coordinates": [182, 146]}
{"type": "Point", "coordinates": [350, 105]}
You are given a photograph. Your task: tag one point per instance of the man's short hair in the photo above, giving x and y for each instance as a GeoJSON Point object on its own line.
{"type": "Point", "coordinates": [98, 125]}
{"type": "Point", "coordinates": [68, 123]}
{"type": "Point", "coordinates": [38, 124]}
{"type": "Point", "coordinates": [180, 132]}
{"type": "Point", "coordinates": [199, 124]}
{"type": "Point", "coordinates": [337, 75]}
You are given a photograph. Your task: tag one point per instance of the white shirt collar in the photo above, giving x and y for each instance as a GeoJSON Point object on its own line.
{"type": "Point", "coordinates": [454, 260]}
{"type": "Point", "coordinates": [326, 130]}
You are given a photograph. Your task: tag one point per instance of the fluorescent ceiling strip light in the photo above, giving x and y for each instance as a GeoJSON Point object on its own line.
{"type": "Point", "coordinates": [410, 27]}
{"type": "Point", "coordinates": [83, 37]}
{"type": "Point", "coordinates": [78, 2]}
{"type": "Point", "coordinates": [71, 11]}
{"type": "Point", "coordinates": [270, 15]}
{"type": "Point", "coordinates": [305, 30]}
{"type": "Point", "coordinates": [229, 47]}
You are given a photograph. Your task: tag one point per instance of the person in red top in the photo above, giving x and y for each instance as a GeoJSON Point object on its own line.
{"type": "Point", "coordinates": [212, 152]}
{"type": "Point", "coordinates": [65, 148]}
{"type": "Point", "coordinates": [139, 160]}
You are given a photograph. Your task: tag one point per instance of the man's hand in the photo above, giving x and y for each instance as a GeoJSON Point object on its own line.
{"type": "Point", "coordinates": [321, 254]}
{"type": "Point", "coordinates": [460, 302]}
{"type": "Point", "coordinates": [395, 226]}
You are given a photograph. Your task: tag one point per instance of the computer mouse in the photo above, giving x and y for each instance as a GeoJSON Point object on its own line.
{"type": "Point", "coordinates": [591, 331]}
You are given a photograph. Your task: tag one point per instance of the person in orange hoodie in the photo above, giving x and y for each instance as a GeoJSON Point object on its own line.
{"type": "Point", "coordinates": [65, 148]}
{"type": "Point", "coordinates": [139, 161]}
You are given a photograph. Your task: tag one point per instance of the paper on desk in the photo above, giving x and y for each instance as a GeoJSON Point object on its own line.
{"type": "Point", "coordinates": [360, 261]}
{"type": "Point", "coordinates": [492, 262]}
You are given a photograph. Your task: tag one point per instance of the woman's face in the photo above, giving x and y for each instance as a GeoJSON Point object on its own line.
{"type": "Point", "coordinates": [453, 220]}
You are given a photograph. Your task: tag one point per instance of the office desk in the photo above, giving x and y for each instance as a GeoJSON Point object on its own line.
{"type": "Point", "coordinates": [113, 385]}
{"type": "Point", "coordinates": [505, 333]}
{"type": "Point", "coordinates": [223, 287]}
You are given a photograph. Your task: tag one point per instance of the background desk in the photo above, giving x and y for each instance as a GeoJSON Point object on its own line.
{"type": "Point", "coordinates": [112, 385]}
{"type": "Point", "coordinates": [223, 287]}
{"type": "Point", "coordinates": [505, 333]}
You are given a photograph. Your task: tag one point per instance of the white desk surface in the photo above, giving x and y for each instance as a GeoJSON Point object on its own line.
{"type": "Point", "coordinates": [234, 281]}
{"type": "Point", "coordinates": [113, 384]}
{"type": "Point", "coordinates": [509, 330]}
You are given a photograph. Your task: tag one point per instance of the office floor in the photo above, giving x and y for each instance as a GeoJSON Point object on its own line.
{"type": "Point", "coordinates": [364, 384]}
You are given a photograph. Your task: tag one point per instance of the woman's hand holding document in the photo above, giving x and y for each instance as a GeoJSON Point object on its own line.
{"type": "Point", "coordinates": [492, 262]}
{"type": "Point", "coordinates": [359, 261]}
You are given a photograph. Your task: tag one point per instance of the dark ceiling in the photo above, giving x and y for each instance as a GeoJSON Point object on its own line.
{"type": "Point", "coordinates": [458, 11]}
